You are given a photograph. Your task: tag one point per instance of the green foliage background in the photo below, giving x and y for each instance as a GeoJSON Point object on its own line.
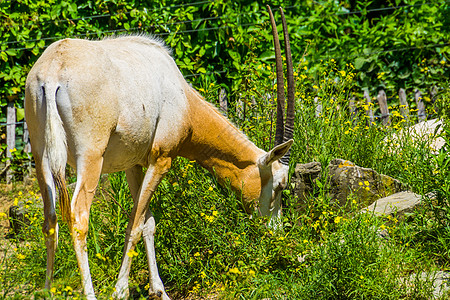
{"type": "Point", "coordinates": [393, 44]}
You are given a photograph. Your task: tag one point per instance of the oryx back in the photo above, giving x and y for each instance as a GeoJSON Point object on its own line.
{"type": "Point", "coordinates": [118, 95]}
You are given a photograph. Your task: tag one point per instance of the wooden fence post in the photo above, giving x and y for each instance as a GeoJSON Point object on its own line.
{"type": "Point", "coordinates": [369, 107]}
{"type": "Point", "coordinates": [26, 138]}
{"type": "Point", "coordinates": [352, 108]}
{"type": "Point", "coordinates": [420, 106]}
{"type": "Point", "coordinates": [27, 148]}
{"type": "Point", "coordinates": [223, 100]}
{"type": "Point", "coordinates": [433, 96]}
{"type": "Point", "coordinates": [10, 137]}
{"type": "Point", "coordinates": [318, 107]}
{"type": "Point", "coordinates": [382, 101]}
{"type": "Point", "coordinates": [240, 110]}
{"type": "Point", "coordinates": [404, 108]}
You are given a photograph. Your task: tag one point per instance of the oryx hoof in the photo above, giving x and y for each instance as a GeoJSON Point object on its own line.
{"type": "Point", "coordinates": [158, 295]}
{"type": "Point", "coordinates": [155, 295]}
{"type": "Point", "coordinates": [120, 294]}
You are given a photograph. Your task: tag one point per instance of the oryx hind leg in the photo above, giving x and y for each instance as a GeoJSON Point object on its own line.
{"type": "Point", "coordinates": [141, 220]}
{"type": "Point", "coordinates": [156, 285]}
{"type": "Point", "coordinates": [50, 225]}
{"type": "Point", "coordinates": [88, 173]}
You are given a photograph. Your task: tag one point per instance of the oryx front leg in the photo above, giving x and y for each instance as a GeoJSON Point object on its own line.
{"type": "Point", "coordinates": [139, 221]}
{"type": "Point", "coordinates": [88, 174]}
{"type": "Point", "coordinates": [50, 226]}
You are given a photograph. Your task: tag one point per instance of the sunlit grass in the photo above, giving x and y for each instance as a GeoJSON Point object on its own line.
{"type": "Point", "coordinates": [206, 244]}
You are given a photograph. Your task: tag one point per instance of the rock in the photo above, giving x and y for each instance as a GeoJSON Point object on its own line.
{"type": "Point", "coordinates": [399, 204]}
{"type": "Point", "coordinates": [17, 219]}
{"type": "Point", "coordinates": [440, 284]}
{"type": "Point", "coordinates": [423, 131]}
{"type": "Point", "coordinates": [305, 177]}
{"type": "Point", "coordinates": [345, 179]}
{"type": "Point", "coordinates": [364, 183]}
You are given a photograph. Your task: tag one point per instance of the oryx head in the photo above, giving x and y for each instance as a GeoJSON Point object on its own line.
{"type": "Point", "coordinates": [270, 175]}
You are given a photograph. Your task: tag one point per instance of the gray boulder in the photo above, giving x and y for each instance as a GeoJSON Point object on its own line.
{"type": "Point", "coordinates": [344, 179]}
{"type": "Point", "coordinates": [398, 204]}
{"type": "Point", "coordinates": [305, 177]}
{"type": "Point", "coordinates": [365, 184]}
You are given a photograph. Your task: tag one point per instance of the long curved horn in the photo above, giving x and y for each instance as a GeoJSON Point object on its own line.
{"type": "Point", "coordinates": [279, 131]}
{"type": "Point", "coordinates": [290, 110]}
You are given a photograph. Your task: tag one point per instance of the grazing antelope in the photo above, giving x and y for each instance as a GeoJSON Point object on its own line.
{"type": "Point", "coordinates": [122, 104]}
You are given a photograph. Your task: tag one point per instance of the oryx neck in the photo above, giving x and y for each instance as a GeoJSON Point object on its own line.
{"type": "Point", "coordinates": [217, 144]}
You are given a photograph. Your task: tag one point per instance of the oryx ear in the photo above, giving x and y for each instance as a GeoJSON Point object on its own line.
{"type": "Point", "coordinates": [275, 154]}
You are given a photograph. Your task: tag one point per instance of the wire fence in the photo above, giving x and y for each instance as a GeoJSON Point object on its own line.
{"type": "Point", "coordinates": [222, 18]}
{"type": "Point", "coordinates": [216, 28]}
{"type": "Point", "coordinates": [166, 25]}
{"type": "Point", "coordinates": [106, 15]}
{"type": "Point", "coordinates": [194, 4]}
{"type": "Point", "coordinates": [14, 123]}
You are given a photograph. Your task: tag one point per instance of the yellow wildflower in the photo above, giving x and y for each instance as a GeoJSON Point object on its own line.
{"type": "Point", "coordinates": [132, 253]}
{"type": "Point", "coordinates": [234, 271]}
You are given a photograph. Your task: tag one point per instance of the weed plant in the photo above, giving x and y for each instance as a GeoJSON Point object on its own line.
{"type": "Point", "coordinates": [206, 244]}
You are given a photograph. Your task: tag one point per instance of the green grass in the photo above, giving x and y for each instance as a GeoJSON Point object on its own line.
{"type": "Point", "coordinates": [206, 244]}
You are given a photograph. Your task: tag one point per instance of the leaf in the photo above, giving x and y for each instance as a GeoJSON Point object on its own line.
{"type": "Point", "coordinates": [20, 114]}
{"type": "Point", "coordinates": [359, 62]}
{"type": "Point", "coordinates": [11, 52]}
{"type": "Point", "coordinates": [404, 74]}
{"type": "Point", "coordinates": [15, 90]}
{"type": "Point", "coordinates": [4, 56]}
{"type": "Point", "coordinates": [267, 55]}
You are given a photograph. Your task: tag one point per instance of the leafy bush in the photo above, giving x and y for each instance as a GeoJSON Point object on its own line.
{"type": "Point", "coordinates": [388, 44]}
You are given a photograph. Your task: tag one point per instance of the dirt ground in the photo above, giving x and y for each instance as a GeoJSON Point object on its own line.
{"type": "Point", "coordinates": [6, 200]}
